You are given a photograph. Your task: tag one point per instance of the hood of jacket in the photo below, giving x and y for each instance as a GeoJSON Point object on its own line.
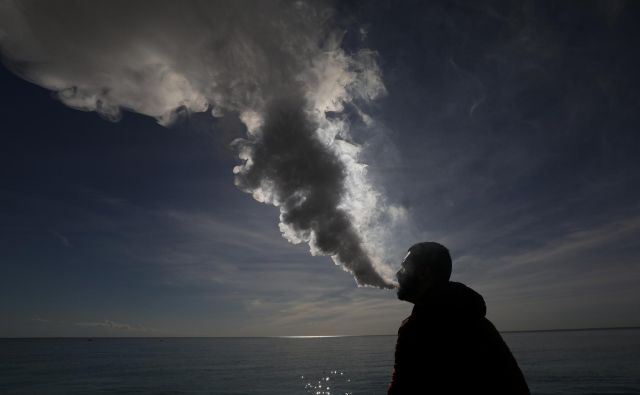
{"type": "Point", "coordinates": [453, 300]}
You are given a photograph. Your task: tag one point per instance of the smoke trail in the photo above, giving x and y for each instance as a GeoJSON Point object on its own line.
{"type": "Point", "coordinates": [276, 64]}
{"type": "Point", "coordinates": [289, 166]}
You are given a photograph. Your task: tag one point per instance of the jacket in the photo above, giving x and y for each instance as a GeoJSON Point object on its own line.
{"type": "Point", "coordinates": [448, 346]}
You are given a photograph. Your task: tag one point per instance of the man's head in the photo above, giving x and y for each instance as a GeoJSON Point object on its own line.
{"type": "Point", "coordinates": [426, 265]}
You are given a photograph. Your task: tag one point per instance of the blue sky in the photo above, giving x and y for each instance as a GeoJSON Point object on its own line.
{"type": "Point", "coordinates": [508, 132]}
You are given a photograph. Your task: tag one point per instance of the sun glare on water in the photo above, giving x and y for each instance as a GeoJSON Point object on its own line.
{"type": "Point", "coordinates": [309, 337]}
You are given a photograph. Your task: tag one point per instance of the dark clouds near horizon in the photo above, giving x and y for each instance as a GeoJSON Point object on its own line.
{"type": "Point", "coordinates": [515, 143]}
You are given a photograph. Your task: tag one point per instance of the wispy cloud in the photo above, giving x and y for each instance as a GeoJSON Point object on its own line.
{"type": "Point", "coordinates": [62, 238]}
{"type": "Point", "coordinates": [580, 247]}
{"type": "Point", "coordinates": [339, 311]}
{"type": "Point", "coordinates": [109, 324]}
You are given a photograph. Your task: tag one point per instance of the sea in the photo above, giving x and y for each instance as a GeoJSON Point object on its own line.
{"type": "Point", "coordinates": [553, 362]}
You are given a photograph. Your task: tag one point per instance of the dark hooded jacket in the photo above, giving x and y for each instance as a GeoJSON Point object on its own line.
{"type": "Point", "coordinates": [447, 346]}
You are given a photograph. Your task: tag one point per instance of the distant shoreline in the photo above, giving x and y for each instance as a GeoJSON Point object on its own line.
{"type": "Point", "coordinates": [301, 337]}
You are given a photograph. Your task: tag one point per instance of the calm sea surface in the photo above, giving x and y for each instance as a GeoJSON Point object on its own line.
{"type": "Point", "coordinates": [570, 362]}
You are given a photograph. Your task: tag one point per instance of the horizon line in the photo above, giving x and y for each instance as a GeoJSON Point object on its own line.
{"type": "Point", "coordinates": [303, 336]}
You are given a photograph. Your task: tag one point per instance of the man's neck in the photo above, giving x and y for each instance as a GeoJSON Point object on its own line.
{"type": "Point", "coordinates": [427, 293]}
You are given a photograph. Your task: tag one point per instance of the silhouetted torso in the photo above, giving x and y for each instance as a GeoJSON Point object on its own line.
{"type": "Point", "coordinates": [447, 346]}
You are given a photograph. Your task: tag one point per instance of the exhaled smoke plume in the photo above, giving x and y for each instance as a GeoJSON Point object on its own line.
{"type": "Point", "coordinates": [274, 63]}
{"type": "Point", "coordinates": [288, 165]}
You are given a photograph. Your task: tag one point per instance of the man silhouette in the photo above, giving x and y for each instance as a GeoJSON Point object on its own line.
{"type": "Point", "coordinates": [446, 345]}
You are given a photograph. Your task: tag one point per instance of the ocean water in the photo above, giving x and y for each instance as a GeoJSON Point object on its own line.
{"type": "Point", "coordinates": [563, 362]}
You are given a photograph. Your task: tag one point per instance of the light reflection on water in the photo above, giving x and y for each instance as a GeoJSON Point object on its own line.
{"type": "Point", "coordinates": [333, 382]}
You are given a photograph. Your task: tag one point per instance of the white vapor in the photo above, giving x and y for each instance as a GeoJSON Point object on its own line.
{"type": "Point", "coordinates": [277, 64]}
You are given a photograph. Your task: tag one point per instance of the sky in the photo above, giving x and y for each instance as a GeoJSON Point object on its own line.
{"type": "Point", "coordinates": [506, 131]}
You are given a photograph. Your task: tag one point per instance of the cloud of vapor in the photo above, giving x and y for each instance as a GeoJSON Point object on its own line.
{"type": "Point", "coordinates": [276, 64]}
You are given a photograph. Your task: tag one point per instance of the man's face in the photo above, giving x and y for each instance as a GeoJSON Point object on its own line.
{"type": "Point", "coordinates": [408, 279]}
